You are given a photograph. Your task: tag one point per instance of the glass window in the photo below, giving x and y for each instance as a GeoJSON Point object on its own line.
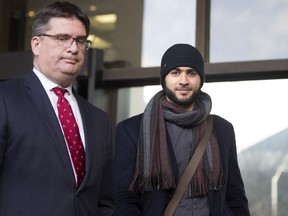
{"type": "Point", "coordinates": [248, 30]}
{"type": "Point", "coordinates": [116, 28]}
{"type": "Point", "coordinates": [133, 33]}
{"type": "Point", "coordinates": [165, 23]}
{"type": "Point", "coordinates": [255, 108]}
{"type": "Point", "coordinates": [258, 111]}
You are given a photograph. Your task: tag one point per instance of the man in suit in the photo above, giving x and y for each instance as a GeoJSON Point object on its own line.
{"type": "Point", "coordinates": [154, 148]}
{"type": "Point", "coordinates": [39, 174]}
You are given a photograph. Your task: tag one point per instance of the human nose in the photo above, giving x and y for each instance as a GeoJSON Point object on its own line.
{"type": "Point", "coordinates": [183, 79]}
{"type": "Point", "coordinates": [73, 45]}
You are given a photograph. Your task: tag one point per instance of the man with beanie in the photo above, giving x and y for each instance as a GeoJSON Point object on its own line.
{"type": "Point", "coordinates": [153, 149]}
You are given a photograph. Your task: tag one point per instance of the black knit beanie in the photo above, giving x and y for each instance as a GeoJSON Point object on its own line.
{"type": "Point", "coordinates": [182, 55]}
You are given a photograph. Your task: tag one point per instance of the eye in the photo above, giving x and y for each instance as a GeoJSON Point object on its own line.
{"type": "Point", "coordinates": [63, 37]}
{"type": "Point", "coordinates": [80, 40]}
{"type": "Point", "coordinates": [174, 72]}
{"type": "Point", "coordinates": [192, 73]}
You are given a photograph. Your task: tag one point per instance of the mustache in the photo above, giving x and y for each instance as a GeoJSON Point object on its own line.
{"type": "Point", "coordinates": [183, 88]}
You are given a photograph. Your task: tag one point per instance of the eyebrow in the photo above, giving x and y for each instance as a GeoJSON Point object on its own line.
{"type": "Point", "coordinates": [187, 70]}
{"type": "Point", "coordinates": [64, 34]}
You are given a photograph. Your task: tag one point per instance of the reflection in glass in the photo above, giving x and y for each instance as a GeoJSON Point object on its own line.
{"type": "Point", "coordinates": [258, 111]}
{"type": "Point", "coordinates": [165, 23]}
{"type": "Point", "coordinates": [248, 30]}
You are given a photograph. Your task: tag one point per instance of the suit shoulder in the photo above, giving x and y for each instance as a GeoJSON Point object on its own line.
{"type": "Point", "coordinates": [131, 124]}
{"type": "Point", "coordinates": [221, 125]}
{"type": "Point", "coordinates": [129, 127]}
{"type": "Point", "coordinates": [219, 120]}
{"type": "Point", "coordinates": [132, 120]}
{"type": "Point", "coordinates": [10, 83]}
{"type": "Point", "coordinates": [12, 88]}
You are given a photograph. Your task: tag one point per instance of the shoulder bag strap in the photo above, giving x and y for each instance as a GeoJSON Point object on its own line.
{"type": "Point", "coordinates": [190, 169]}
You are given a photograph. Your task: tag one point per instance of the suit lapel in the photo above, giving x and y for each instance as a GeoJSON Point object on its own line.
{"type": "Point", "coordinates": [40, 99]}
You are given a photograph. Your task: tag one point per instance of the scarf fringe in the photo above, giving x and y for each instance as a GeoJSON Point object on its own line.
{"type": "Point", "coordinates": [200, 187]}
{"type": "Point", "coordinates": [150, 183]}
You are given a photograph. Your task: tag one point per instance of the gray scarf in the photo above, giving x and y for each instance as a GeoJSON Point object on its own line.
{"type": "Point", "coordinates": [153, 166]}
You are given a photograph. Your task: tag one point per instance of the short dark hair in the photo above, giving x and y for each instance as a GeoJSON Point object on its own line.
{"type": "Point", "coordinates": [58, 9]}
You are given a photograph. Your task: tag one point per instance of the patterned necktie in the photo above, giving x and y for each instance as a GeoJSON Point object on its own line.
{"type": "Point", "coordinates": [72, 135]}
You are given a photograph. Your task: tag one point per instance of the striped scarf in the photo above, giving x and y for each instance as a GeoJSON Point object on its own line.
{"type": "Point", "coordinates": [153, 166]}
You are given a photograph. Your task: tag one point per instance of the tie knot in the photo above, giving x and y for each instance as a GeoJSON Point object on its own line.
{"type": "Point", "coordinates": [59, 91]}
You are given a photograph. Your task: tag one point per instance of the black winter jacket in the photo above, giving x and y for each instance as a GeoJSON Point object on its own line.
{"type": "Point", "coordinates": [231, 200]}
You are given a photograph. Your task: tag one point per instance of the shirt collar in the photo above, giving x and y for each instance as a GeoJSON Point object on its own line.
{"type": "Point", "coordinates": [47, 83]}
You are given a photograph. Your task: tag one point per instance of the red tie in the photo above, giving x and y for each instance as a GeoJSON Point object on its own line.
{"type": "Point", "coordinates": [71, 133]}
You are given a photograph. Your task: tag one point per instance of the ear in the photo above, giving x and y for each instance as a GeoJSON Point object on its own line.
{"type": "Point", "coordinates": [35, 45]}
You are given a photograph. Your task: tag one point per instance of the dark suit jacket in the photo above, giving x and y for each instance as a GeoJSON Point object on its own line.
{"type": "Point", "coordinates": [230, 200]}
{"type": "Point", "coordinates": [36, 175]}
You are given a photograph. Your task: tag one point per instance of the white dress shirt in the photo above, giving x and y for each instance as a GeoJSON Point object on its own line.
{"type": "Point", "coordinates": [48, 86]}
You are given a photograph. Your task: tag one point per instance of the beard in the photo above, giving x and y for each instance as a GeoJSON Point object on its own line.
{"type": "Point", "coordinates": [181, 102]}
